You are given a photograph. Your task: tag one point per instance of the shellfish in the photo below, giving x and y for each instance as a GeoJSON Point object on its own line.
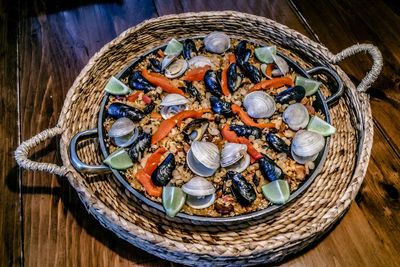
{"type": "Point", "coordinates": [242, 190]}
{"type": "Point", "coordinates": [306, 146]}
{"type": "Point", "coordinates": [200, 193]}
{"type": "Point", "coordinates": [203, 158]}
{"type": "Point", "coordinates": [259, 105]}
{"type": "Point", "coordinates": [295, 93]}
{"type": "Point", "coordinates": [124, 132]}
{"type": "Point", "coordinates": [296, 116]}
{"type": "Point", "coordinates": [221, 107]}
{"type": "Point", "coordinates": [163, 173]}
{"type": "Point", "coordinates": [234, 157]}
{"type": "Point", "coordinates": [217, 42]}
{"type": "Point", "coordinates": [212, 83]}
{"type": "Point", "coordinates": [139, 146]}
{"type": "Point", "coordinates": [120, 110]}
{"type": "Point", "coordinates": [173, 104]}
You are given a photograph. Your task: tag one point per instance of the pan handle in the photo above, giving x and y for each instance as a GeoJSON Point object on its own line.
{"type": "Point", "coordinates": [77, 163]}
{"type": "Point", "coordinates": [340, 89]}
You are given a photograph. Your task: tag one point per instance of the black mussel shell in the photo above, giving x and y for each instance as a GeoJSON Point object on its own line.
{"type": "Point", "coordinates": [192, 91]}
{"type": "Point", "coordinates": [296, 93]}
{"type": "Point", "coordinates": [189, 49]}
{"type": "Point", "coordinates": [194, 130]}
{"type": "Point", "coordinates": [240, 52]}
{"type": "Point", "coordinates": [246, 131]}
{"type": "Point", "coordinates": [242, 190]}
{"type": "Point", "coordinates": [269, 169]}
{"type": "Point", "coordinates": [252, 72]}
{"type": "Point", "coordinates": [139, 146]}
{"type": "Point", "coordinates": [221, 107]}
{"type": "Point", "coordinates": [234, 79]}
{"type": "Point", "coordinates": [149, 108]}
{"type": "Point", "coordinates": [212, 84]}
{"type": "Point", "coordinates": [138, 82]}
{"type": "Point", "coordinates": [120, 110]}
{"type": "Point", "coordinates": [277, 143]}
{"type": "Point", "coordinates": [155, 64]}
{"type": "Point", "coordinates": [163, 173]}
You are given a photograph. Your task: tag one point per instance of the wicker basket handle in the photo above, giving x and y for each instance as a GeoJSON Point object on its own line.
{"type": "Point", "coordinates": [22, 152]}
{"type": "Point", "coordinates": [376, 55]}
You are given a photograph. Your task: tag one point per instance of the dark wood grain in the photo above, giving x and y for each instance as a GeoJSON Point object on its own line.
{"type": "Point", "coordinates": [10, 205]}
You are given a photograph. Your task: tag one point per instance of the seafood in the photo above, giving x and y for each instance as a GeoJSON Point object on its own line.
{"type": "Point", "coordinates": [252, 72]}
{"type": "Point", "coordinates": [199, 61]}
{"type": "Point", "coordinates": [234, 79]}
{"type": "Point", "coordinates": [155, 64]}
{"type": "Point", "coordinates": [124, 132]}
{"type": "Point", "coordinates": [200, 193]}
{"type": "Point", "coordinates": [296, 116]}
{"type": "Point", "coordinates": [269, 169]}
{"type": "Point", "coordinates": [221, 107]}
{"type": "Point", "coordinates": [217, 42]}
{"type": "Point", "coordinates": [173, 104]}
{"type": "Point", "coordinates": [189, 49]}
{"type": "Point", "coordinates": [139, 146]}
{"type": "Point", "coordinates": [282, 65]}
{"type": "Point", "coordinates": [168, 61]}
{"type": "Point", "coordinates": [149, 108]}
{"type": "Point", "coordinates": [203, 158]}
{"type": "Point", "coordinates": [242, 54]}
{"type": "Point", "coordinates": [246, 131]}
{"type": "Point", "coordinates": [212, 84]}
{"type": "Point", "coordinates": [306, 146]}
{"type": "Point", "coordinates": [176, 69]}
{"type": "Point", "coordinates": [193, 91]}
{"type": "Point", "coordinates": [137, 81]}
{"type": "Point", "coordinates": [235, 157]}
{"type": "Point", "coordinates": [241, 189]}
{"type": "Point", "coordinates": [277, 143]}
{"type": "Point", "coordinates": [119, 110]}
{"type": "Point", "coordinates": [259, 105]}
{"type": "Point", "coordinates": [295, 93]}
{"type": "Point", "coordinates": [163, 173]}
{"type": "Point", "coordinates": [195, 130]}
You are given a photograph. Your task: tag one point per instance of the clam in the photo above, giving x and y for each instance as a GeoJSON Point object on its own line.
{"type": "Point", "coordinates": [200, 193]}
{"type": "Point", "coordinates": [176, 69]}
{"type": "Point", "coordinates": [296, 116]}
{"type": "Point", "coordinates": [306, 145]}
{"type": "Point", "coordinates": [173, 104]}
{"type": "Point", "coordinates": [217, 42]}
{"type": "Point", "coordinates": [259, 105]}
{"type": "Point", "coordinates": [200, 61]}
{"type": "Point", "coordinates": [282, 65]}
{"type": "Point", "coordinates": [235, 157]}
{"type": "Point", "coordinates": [203, 158]}
{"type": "Point", "coordinates": [124, 132]}
{"type": "Point", "coordinates": [167, 61]}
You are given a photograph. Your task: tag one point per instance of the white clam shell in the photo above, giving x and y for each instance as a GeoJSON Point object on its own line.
{"type": "Point", "coordinates": [241, 165]}
{"type": "Point", "coordinates": [176, 69]}
{"type": "Point", "coordinates": [121, 127]}
{"type": "Point", "coordinates": [263, 68]}
{"type": "Point", "coordinates": [200, 61]}
{"type": "Point", "coordinates": [217, 42]}
{"type": "Point", "coordinates": [200, 202]}
{"type": "Point", "coordinates": [259, 105]}
{"type": "Point", "coordinates": [198, 186]}
{"type": "Point", "coordinates": [169, 111]}
{"type": "Point", "coordinates": [281, 64]}
{"type": "Point", "coordinates": [296, 116]}
{"type": "Point", "coordinates": [232, 153]}
{"type": "Point", "coordinates": [203, 158]}
{"type": "Point", "coordinates": [303, 160]}
{"type": "Point", "coordinates": [307, 144]}
{"type": "Point", "coordinates": [167, 61]}
{"type": "Point", "coordinates": [174, 99]}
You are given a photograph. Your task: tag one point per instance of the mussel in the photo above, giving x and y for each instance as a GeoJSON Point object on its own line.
{"type": "Point", "coordinates": [242, 54]}
{"type": "Point", "coordinates": [234, 157]}
{"type": "Point", "coordinates": [138, 82]}
{"type": "Point", "coordinates": [269, 169]}
{"type": "Point", "coordinates": [200, 193]}
{"type": "Point", "coordinates": [195, 130]}
{"type": "Point", "coordinates": [149, 108]}
{"type": "Point", "coordinates": [246, 131]}
{"type": "Point", "coordinates": [217, 42]}
{"type": "Point", "coordinates": [234, 79]}
{"type": "Point", "coordinates": [242, 190]}
{"type": "Point", "coordinates": [259, 105]}
{"type": "Point", "coordinates": [295, 93]}
{"type": "Point", "coordinates": [173, 104]}
{"type": "Point", "coordinates": [212, 83]}
{"type": "Point", "coordinates": [221, 107]}
{"type": "Point", "coordinates": [163, 173]}
{"type": "Point", "coordinates": [203, 158]}
{"type": "Point", "coordinates": [252, 72]}
{"type": "Point", "coordinates": [277, 143]}
{"type": "Point", "coordinates": [155, 64]}
{"type": "Point", "coordinates": [123, 132]}
{"type": "Point", "coordinates": [120, 110]}
{"type": "Point", "coordinates": [306, 146]}
{"type": "Point", "coordinates": [296, 116]}
{"type": "Point", "coordinates": [139, 146]}
{"type": "Point", "coordinates": [189, 49]}
{"type": "Point", "coordinates": [192, 91]}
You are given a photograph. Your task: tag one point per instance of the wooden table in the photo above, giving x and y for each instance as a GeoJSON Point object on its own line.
{"type": "Point", "coordinates": [45, 44]}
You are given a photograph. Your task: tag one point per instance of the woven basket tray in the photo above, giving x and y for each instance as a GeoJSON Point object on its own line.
{"type": "Point", "coordinates": [276, 236]}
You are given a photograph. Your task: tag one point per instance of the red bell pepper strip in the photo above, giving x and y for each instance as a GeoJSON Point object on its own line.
{"type": "Point", "coordinates": [145, 179]}
{"type": "Point", "coordinates": [162, 81]}
{"type": "Point", "coordinates": [155, 116]}
{"type": "Point", "coordinates": [249, 121]}
{"type": "Point", "coordinates": [161, 53]}
{"type": "Point", "coordinates": [269, 69]}
{"type": "Point", "coordinates": [273, 83]}
{"type": "Point", "coordinates": [197, 74]}
{"type": "Point", "coordinates": [153, 161]}
{"type": "Point", "coordinates": [132, 98]}
{"type": "Point", "coordinates": [232, 137]}
{"type": "Point", "coordinates": [167, 125]}
{"type": "Point", "coordinates": [232, 58]}
{"type": "Point", "coordinates": [146, 99]}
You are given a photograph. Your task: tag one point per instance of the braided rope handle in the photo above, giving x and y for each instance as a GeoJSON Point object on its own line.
{"type": "Point", "coordinates": [22, 152]}
{"type": "Point", "coordinates": [376, 68]}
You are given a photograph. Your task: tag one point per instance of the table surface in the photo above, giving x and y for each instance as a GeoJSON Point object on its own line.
{"type": "Point", "coordinates": [45, 44]}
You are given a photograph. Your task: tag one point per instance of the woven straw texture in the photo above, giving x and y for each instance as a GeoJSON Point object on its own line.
{"type": "Point", "coordinates": [268, 240]}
